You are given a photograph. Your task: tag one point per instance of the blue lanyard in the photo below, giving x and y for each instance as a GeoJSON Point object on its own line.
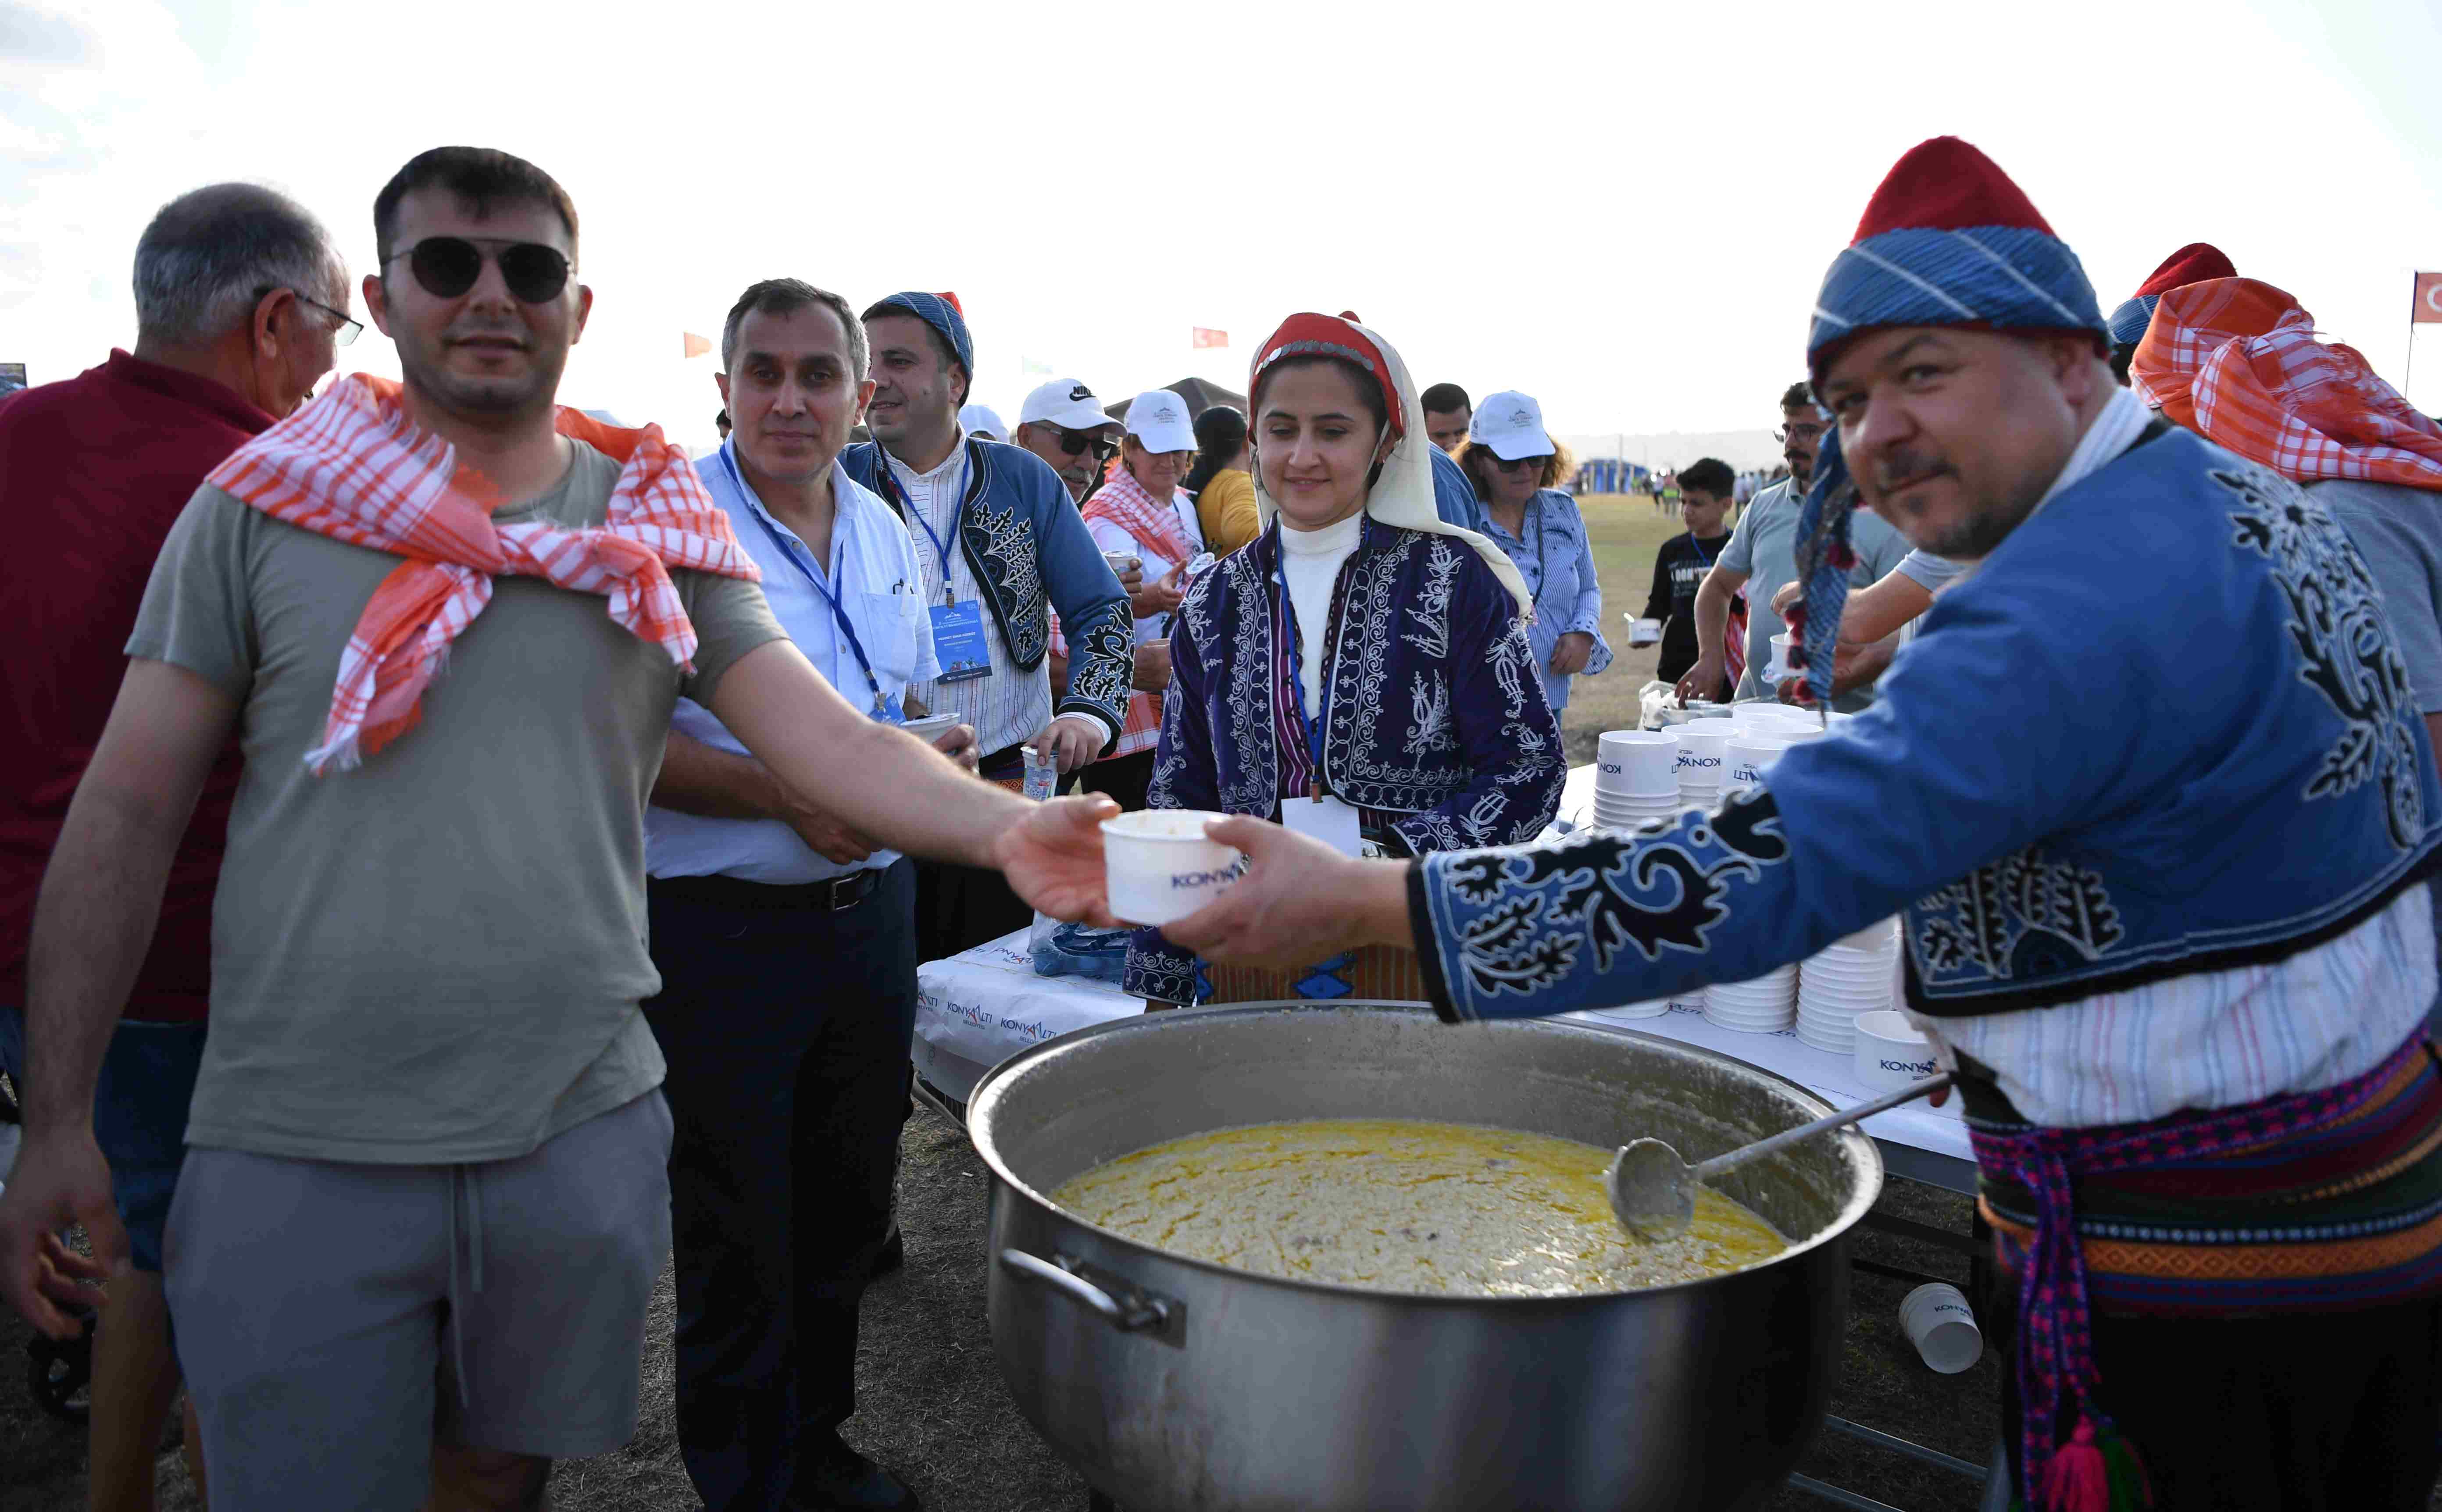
{"type": "Point", "coordinates": [839, 554]}
{"type": "Point", "coordinates": [907, 507]}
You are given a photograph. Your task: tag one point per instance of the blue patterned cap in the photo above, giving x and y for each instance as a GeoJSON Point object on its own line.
{"type": "Point", "coordinates": [1949, 240]}
{"type": "Point", "coordinates": [940, 312]}
{"type": "Point", "coordinates": [2129, 321]}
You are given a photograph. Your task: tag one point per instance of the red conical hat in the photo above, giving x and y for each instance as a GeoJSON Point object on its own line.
{"type": "Point", "coordinates": [2192, 264]}
{"type": "Point", "coordinates": [1945, 185]}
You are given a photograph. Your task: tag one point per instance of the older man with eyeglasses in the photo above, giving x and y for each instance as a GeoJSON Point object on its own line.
{"type": "Point", "coordinates": [1762, 557]}
{"type": "Point", "coordinates": [240, 302]}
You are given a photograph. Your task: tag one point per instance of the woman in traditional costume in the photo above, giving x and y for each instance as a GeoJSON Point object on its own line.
{"type": "Point", "coordinates": [1360, 672]}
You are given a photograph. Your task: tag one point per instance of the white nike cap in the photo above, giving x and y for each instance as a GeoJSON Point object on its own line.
{"type": "Point", "coordinates": [1158, 418]}
{"type": "Point", "coordinates": [1512, 425]}
{"type": "Point", "coordinates": [1065, 403]}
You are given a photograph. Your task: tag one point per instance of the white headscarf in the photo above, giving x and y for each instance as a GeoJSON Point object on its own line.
{"type": "Point", "coordinates": [1403, 494]}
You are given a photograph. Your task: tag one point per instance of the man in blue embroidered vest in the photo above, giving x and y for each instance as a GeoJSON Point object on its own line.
{"type": "Point", "coordinates": [1001, 547]}
{"type": "Point", "coordinates": [2166, 913]}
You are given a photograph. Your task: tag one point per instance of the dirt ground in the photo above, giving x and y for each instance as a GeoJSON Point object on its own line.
{"type": "Point", "coordinates": [931, 1404]}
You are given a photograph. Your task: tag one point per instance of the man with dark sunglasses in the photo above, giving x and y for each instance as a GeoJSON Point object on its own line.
{"type": "Point", "coordinates": [1063, 424]}
{"type": "Point", "coordinates": [425, 1194]}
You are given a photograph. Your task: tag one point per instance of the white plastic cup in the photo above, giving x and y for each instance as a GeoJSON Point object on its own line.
{"type": "Point", "coordinates": [1158, 865]}
{"type": "Point", "coordinates": [932, 727]}
{"type": "Point", "coordinates": [1746, 756]}
{"type": "Point", "coordinates": [1638, 763]}
{"type": "Point", "coordinates": [1699, 753]}
{"type": "Point", "coordinates": [1943, 1327]}
{"type": "Point", "coordinates": [1890, 1053]}
{"type": "Point", "coordinates": [1655, 1008]}
{"type": "Point", "coordinates": [1777, 670]}
{"type": "Point", "coordinates": [1643, 631]}
{"type": "Point", "coordinates": [1042, 774]}
{"type": "Point", "coordinates": [1121, 562]}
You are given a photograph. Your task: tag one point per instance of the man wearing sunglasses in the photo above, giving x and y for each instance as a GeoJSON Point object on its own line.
{"type": "Point", "coordinates": [1002, 548]}
{"type": "Point", "coordinates": [1063, 423]}
{"type": "Point", "coordinates": [240, 300]}
{"type": "Point", "coordinates": [1762, 557]}
{"type": "Point", "coordinates": [425, 1195]}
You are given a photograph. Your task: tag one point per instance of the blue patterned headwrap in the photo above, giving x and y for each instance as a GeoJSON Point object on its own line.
{"type": "Point", "coordinates": [942, 316]}
{"type": "Point", "coordinates": [2129, 321]}
{"type": "Point", "coordinates": [1949, 240]}
{"type": "Point", "coordinates": [1824, 559]}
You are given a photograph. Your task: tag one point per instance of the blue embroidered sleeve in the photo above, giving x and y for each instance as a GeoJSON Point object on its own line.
{"type": "Point", "coordinates": [1183, 777]}
{"type": "Point", "coordinates": [1504, 728]}
{"type": "Point", "coordinates": [1908, 799]}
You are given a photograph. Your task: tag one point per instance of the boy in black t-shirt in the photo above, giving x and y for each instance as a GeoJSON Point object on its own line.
{"type": "Point", "coordinates": [1680, 567]}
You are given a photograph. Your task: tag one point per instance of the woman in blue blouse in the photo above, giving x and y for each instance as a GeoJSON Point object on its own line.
{"type": "Point", "coordinates": [1519, 472]}
{"type": "Point", "coordinates": [1361, 670]}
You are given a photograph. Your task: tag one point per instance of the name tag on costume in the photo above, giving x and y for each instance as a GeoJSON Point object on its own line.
{"type": "Point", "coordinates": [959, 641]}
{"type": "Point", "coordinates": [1326, 819]}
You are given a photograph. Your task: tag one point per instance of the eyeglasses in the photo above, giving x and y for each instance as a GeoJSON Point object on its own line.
{"type": "Point", "coordinates": [1073, 442]}
{"type": "Point", "coordinates": [1520, 464]}
{"type": "Point", "coordinates": [1800, 432]}
{"type": "Point", "coordinates": [346, 331]}
{"type": "Point", "coordinates": [448, 267]}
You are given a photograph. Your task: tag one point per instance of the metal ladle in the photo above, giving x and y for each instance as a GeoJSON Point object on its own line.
{"type": "Point", "coordinates": [1653, 1190]}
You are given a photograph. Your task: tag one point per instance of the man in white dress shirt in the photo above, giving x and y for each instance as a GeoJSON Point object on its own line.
{"type": "Point", "coordinates": [787, 948]}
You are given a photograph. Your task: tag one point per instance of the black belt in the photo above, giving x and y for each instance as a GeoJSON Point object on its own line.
{"type": "Point", "coordinates": [832, 894]}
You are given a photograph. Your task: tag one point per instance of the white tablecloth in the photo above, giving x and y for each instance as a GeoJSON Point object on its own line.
{"type": "Point", "coordinates": [982, 1006]}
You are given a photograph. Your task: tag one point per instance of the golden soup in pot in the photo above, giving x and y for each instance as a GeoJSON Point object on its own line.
{"type": "Point", "coordinates": [1407, 1206]}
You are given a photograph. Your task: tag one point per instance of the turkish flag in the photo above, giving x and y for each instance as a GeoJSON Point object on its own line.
{"type": "Point", "coordinates": [693, 345]}
{"type": "Point", "coordinates": [1221, 339]}
{"type": "Point", "coordinates": [2429, 300]}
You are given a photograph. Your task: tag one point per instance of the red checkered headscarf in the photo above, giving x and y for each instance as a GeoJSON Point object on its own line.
{"type": "Point", "coordinates": [354, 465]}
{"type": "Point", "coordinates": [2236, 361]}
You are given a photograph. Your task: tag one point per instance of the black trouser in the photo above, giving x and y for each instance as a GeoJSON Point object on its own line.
{"type": "Point", "coordinates": [960, 907]}
{"type": "Point", "coordinates": [786, 1025]}
{"type": "Point", "coordinates": [1125, 778]}
{"type": "Point", "coordinates": [2321, 1413]}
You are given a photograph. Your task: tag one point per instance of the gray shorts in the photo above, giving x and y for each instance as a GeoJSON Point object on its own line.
{"type": "Point", "coordinates": [333, 1320]}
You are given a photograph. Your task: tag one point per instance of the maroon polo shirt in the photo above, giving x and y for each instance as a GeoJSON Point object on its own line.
{"type": "Point", "coordinates": [95, 469]}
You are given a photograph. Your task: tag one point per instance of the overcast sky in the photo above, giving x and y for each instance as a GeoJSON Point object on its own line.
{"type": "Point", "coordinates": [1624, 210]}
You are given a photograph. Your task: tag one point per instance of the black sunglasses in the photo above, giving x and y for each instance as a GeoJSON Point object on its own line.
{"type": "Point", "coordinates": [448, 267]}
{"type": "Point", "coordinates": [1509, 464]}
{"type": "Point", "coordinates": [1073, 442]}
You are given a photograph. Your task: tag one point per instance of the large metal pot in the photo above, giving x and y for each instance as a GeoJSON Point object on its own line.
{"type": "Point", "coordinates": [1174, 1384]}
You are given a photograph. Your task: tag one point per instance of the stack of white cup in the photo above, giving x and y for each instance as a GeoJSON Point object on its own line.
{"type": "Point", "coordinates": [1763, 1005]}
{"type": "Point", "coordinates": [1858, 974]}
{"type": "Point", "coordinates": [1700, 759]}
{"type": "Point", "coordinates": [1633, 1010]}
{"type": "Point", "coordinates": [1636, 778]}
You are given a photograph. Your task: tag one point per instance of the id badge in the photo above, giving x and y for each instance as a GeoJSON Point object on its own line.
{"type": "Point", "coordinates": [959, 641]}
{"type": "Point", "coordinates": [1326, 819]}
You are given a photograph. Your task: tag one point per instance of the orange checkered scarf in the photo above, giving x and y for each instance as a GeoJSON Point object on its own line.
{"type": "Point", "coordinates": [354, 467]}
{"type": "Point", "coordinates": [2236, 361]}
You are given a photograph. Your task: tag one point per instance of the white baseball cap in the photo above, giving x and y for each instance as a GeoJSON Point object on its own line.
{"type": "Point", "coordinates": [1512, 425]}
{"type": "Point", "coordinates": [1065, 403]}
{"type": "Point", "coordinates": [982, 420]}
{"type": "Point", "coordinates": [1159, 419]}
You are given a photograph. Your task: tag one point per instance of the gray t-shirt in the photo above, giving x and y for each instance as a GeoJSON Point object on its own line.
{"type": "Point", "coordinates": [1765, 548]}
{"type": "Point", "coordinates": [2399, 531]}
{"type": "Point", "coordinates": [436, 957]}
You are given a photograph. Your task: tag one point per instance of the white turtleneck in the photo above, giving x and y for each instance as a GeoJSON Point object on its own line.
{"type": "Point", "coordinates": [1310, 565]}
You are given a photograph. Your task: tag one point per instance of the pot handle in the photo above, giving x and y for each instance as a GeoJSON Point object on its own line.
{"type": "Point", "coordinates": [1132, 1310]}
